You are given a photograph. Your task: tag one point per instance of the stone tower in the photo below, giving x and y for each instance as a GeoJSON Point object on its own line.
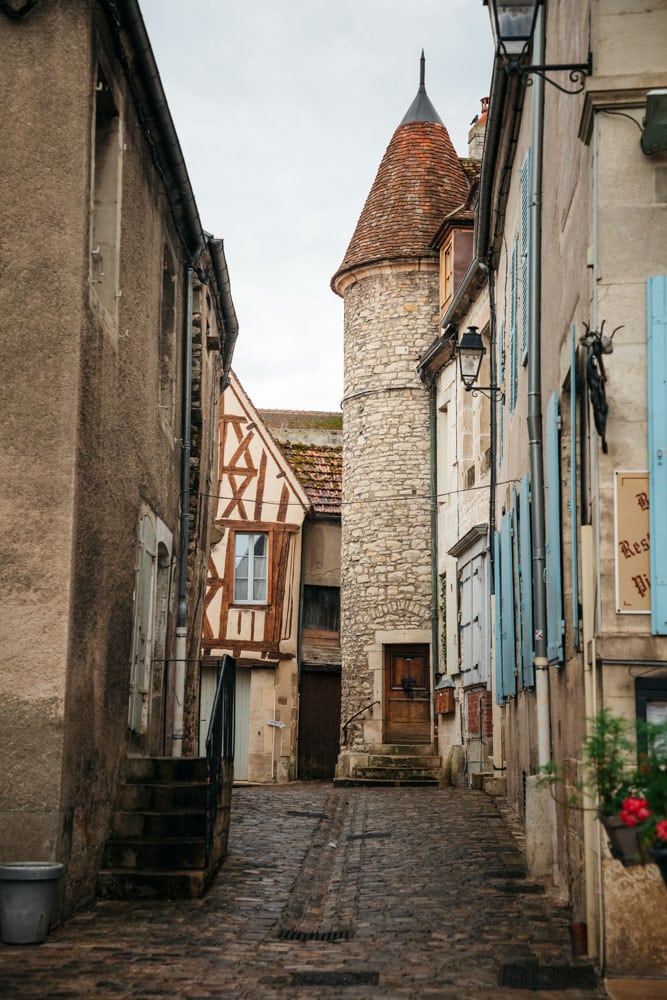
{"type": "Point", "coordinates": [389, 283]}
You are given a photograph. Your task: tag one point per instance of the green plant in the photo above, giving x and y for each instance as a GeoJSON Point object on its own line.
{"type": "Point", "coordinates": [608, 775]}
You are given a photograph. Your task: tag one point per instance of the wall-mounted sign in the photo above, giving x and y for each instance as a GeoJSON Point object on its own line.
{"type": "Point", "coordinates": [631, 536]}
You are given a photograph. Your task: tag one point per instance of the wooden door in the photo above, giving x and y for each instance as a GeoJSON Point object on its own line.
{"type": "Point", "coordinates": [319, 723]}
{"type": "Point", "coordinates": [407, 689]}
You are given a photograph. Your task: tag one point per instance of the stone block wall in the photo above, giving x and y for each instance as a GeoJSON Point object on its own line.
{"type": "Point", "coordinates": [391, 315]}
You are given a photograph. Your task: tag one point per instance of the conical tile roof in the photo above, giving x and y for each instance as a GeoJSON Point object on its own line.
{"type": "Point", "coordinates": [420, 180]}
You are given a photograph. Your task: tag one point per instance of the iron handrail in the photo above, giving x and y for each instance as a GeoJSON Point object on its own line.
{"type": "Point", "coordinates": [219, 742]}
{"type": "Point", "coordinates": [353, 717]}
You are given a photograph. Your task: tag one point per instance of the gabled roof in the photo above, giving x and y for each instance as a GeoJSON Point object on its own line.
{"type": "Point", "coordinates": [319, 469]}
{"type": "Point", "coordinates": [420, 180]}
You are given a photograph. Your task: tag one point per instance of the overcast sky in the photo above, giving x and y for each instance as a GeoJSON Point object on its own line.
{"type": "Point", "coordinates": [284, 109]}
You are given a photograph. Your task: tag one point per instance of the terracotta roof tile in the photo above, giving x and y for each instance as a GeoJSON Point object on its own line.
{"type": "Point", "coordinates": [319, 469]}
{"type": "Point", "coordinates": [420, 180]}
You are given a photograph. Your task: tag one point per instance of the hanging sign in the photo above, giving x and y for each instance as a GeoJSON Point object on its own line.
{"type": "Point", "coordinates": [632, 547]}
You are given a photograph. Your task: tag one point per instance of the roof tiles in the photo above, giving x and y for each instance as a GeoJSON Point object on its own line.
{"type": "Point", "coordinates": [319, 469]}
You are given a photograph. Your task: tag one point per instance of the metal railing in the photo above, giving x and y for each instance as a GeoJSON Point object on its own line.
{"type": "Point", "coordinates": [219, 742]}
{"type": "Point", "coordinates": [353, 717]}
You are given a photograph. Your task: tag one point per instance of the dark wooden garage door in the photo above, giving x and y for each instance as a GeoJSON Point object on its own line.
{"type": "Point", "coordinates": [319, 723]}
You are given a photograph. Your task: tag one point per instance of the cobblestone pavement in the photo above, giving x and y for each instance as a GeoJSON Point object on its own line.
{"type": "Point", "coordinates": [328, 893]}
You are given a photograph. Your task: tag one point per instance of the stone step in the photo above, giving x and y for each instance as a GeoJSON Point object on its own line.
{"type": "Point", "coordinates": [355, 782]}
{"type": "Point", "coordinates": [187, 823]}
{"type": "Point", "coordinates": [118, 883]}
{"type": "Point", "coordinates": [159, 853]}
{"type": "Point", "coordinates": [395, 773]}
{"type": "Point", "coordinates": [165, 769]}
{"type": "Point", "coordinates": [403, 749]}
{"type": "Point", "coordinates": [390, 760]}
{"type": "Point", "coordinates": [160, 797]}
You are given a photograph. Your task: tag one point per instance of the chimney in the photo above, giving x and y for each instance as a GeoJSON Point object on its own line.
{"type": "Point", "coordinates": [476, 132]}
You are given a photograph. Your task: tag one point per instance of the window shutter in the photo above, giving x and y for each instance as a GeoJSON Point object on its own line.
{"type": "Point", "coordinates": [497, 580]}
{"type": "Point", "coordinates": [500, 396]}
{"type": "Point", "coordinates": [525, 181]}
{"type": "Point", "coordinates": [478, 624]}
{"type": "Point", "coordinates": [555, 623]}
{"type": "Point", "coordinates": [656, 288]}
{"type": "Point", "coordinates": [465, 621]}
{"type": "Point", "coordinates": [573, 485]}
{"type": "Point", "coordinates": [526, 585]}
{"type": "Point", "coordinates": [514, 303]}
{"type": "Point", "coordinates": [143, 609]}
{"type": "Point", "coordinates": [507, 609]}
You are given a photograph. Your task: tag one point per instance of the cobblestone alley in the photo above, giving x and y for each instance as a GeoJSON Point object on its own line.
{"type": "Point", "coordinates": [350, 893]}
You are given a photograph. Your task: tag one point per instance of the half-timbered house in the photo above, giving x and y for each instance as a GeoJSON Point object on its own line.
{"type": "Point", "coordinates": [252, 603]}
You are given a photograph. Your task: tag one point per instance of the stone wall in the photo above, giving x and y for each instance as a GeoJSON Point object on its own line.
{"type": "Point", "coordinates": [390, 317]}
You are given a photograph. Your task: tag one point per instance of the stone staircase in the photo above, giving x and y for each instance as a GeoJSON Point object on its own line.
{"type": "Point", "coordinates": [157, 848]}
{"type": "Point", "coordinates": [392, 764]}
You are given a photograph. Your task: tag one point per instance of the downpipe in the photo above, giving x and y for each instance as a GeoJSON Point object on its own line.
{"type": "Point", "coordinates": [182, 618]}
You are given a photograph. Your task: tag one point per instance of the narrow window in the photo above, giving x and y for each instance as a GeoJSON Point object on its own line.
{"type": "Point", "coordinates": [105, 234]}
{"type": "Point", "coordinates": [251, 567]}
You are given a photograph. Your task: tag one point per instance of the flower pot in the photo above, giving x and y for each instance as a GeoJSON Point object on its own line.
{"type": "Point", "coordinates": [622, 840]}
{"type": "Point", "coordinates": [658, 856]}
{"type": "Point", "coordinates": [28, 895]}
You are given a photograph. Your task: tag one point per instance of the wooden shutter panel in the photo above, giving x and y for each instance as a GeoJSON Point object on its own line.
{"type": "Point", "coordinates": [573, 486]}
{"type": "Point", "coordinates": [497, 581]}
{"type": "Point", "coordinates": [500, 396]}
{"type": "Point", "coordinates": [143, 610]}
{"type": "Point", "coordinates": [555, 623]}
{"type": "Point", "coordinates": [514, 308]}
{"type": "Point", "coordinates": [526, 585]}
{"type": "Point", "coordinates": [465, 621]}
{"type": "Point", "coordinates": [507, 608]}
{"type": "Point", "coordinates": [656, 288]}
{"type": "Point", "coordinates": [525, 179]}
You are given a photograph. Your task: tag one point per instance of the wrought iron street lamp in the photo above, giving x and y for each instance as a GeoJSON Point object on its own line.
{"type": "Point", "coordinates": [513, 26]}
{"type": "Point", "coordinates": [471, 351]}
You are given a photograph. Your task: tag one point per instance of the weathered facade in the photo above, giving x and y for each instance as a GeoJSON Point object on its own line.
{"type": "Point", "coordinates": [272, 598]}
{"type": "Point", "coordinates": [117, 328]}
{"type": "Point", "coordinates": [252, 602]}
{"type": "Point", "coordinates": [569, 258]}
{"type": "Point", "coordinates": [389, 282]}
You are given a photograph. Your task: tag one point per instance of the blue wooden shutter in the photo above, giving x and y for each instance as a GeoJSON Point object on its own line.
{"type": "Point", "coordinates": [656, 288]}
{"type": "Point", "coordinates": [555, 623]}
{"type": "Point", "coordinates": [500, 396]}
{"type": "Point", "coordinates": [526, 585]}
{"type": "Point", "coordinates": [507, 609]}
{"type": "Point", "coordinates": [525, 179]}
{"type": "Point", "coordinates": [514, 304]}
{"type": "Point", "coordinates": [497, 580]}
{"type": "Point", "coordinates": [573, 486]}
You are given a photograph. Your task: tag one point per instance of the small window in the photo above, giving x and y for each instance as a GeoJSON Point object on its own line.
{"type": "Point", "coordinates": [251, 568]}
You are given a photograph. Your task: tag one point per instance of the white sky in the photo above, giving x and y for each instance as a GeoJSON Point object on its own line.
{"type": "Point", "coordinates": [284, 109]}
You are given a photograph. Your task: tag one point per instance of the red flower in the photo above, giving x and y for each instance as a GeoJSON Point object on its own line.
{"type": "Point", "coordinates": [634, 811]}
{"type": "Point", "coordinates": [661, 829]}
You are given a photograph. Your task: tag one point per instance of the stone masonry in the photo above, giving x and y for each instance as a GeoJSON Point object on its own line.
{"type": "Point", "coordinates": [390, 317]}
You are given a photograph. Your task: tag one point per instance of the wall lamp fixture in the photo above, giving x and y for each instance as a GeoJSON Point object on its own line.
{"type": "Point", "coordinates": [513, 26]}
{"type": "Point", "coordinates": [471, 351]}
{"type": "Point", "coordinates": [654, 131]}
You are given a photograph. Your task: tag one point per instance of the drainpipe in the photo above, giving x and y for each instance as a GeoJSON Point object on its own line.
{"type": "Point", "coordinates": [535, 409]}
{"type": "Point", "coordinates": [432, 416]}
{"type": "Point", "coordinates": [182, 618]}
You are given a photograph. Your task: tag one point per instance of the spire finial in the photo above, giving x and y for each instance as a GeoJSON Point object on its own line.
{"type": "Point", "coordinates": [422, 70]}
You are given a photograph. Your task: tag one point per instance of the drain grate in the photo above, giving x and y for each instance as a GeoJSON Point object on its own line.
{"type": "Point", "coordinates": [533, 976]}
{"type": "Point", "coordinates": [294, 935]}
{"type": "Point", "coordinates": [335, 978]}
{"type": "Point", "coordinates": [369, 836]}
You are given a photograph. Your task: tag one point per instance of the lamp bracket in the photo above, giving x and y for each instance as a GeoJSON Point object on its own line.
{"type": "Point", "coordinates": [577, 73]}
{"type": "Point", "coordinates": [489, 391]}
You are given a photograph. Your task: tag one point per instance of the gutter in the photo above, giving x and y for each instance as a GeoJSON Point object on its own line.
{"type": "Point", "coordinates": [230, 323]}
{"type": "Point", "coordinates": [129, 19]}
